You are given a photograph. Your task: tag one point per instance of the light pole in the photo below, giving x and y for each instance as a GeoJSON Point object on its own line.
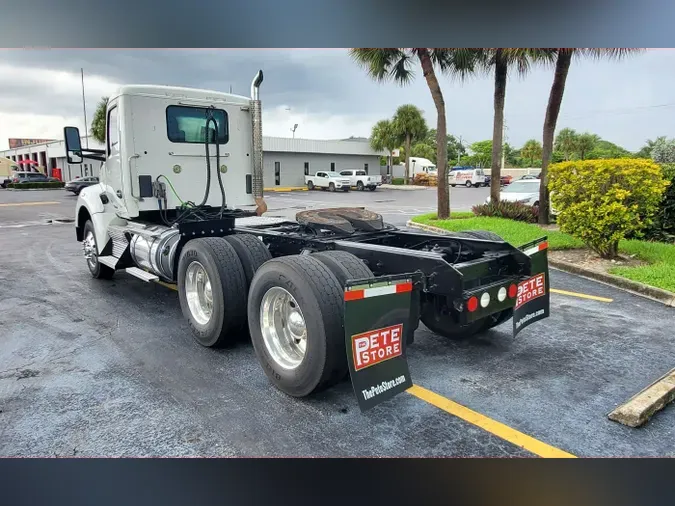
{"type": "Point", "coordinates": [295, 127]}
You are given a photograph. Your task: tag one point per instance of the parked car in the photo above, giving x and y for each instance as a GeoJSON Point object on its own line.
{"type": "Point", "coordinates": [531, 176]}
{"type": "Point", "coordinates": [525, 192]}
{"type": "Point", "coordinates": [503, 180]}
{"type": "Point", "coordinates": [328, 180]}
{"type": "Point", "coordinates": [360, 179]}
{"type": "Point", "coordinates": [29, 177]}
{"type": "Point", "coordinates": [76, 185]}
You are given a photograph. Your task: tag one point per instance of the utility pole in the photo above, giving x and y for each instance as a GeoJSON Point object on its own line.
{"type": "Point", "coordinates": [459, 151]}
{"type": "Point", "coordinates": [84, 108]}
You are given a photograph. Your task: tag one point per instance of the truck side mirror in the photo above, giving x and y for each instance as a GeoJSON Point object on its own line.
{"type": "Point", "coordinates": [73, 144]}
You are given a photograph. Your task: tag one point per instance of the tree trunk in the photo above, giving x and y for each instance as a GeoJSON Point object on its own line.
{"type": "Point", "coordinates": [555, 97]}
{"type": "Point", "coordinates": [407, 158]}
{"type": "Point", "coordinates": [498, 124]}
{"type": "Point", "coordinates": [443, 210]}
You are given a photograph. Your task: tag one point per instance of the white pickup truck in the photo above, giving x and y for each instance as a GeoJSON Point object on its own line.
{"type": "Point", "coordinates": [328, 180]}
{"type": "Point", "coordinates": [360, 179]}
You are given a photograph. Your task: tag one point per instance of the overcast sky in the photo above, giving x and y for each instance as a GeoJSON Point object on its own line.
{"type": "Point", "coordinates": [330, 97]}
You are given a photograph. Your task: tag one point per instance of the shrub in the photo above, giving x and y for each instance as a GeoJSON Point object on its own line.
{"type": "Point", "coordinates": [505, 209]}
{"type": "Point", "coordinates": [398, 181]}
{"type": "Point", "coordinates": [29, 186]}
{"type": "Point", "coordinates": [603, 201]}
{"type": "Point", "coordinates": [423, 179]}
{"type": "Point", "coordinates": [663, 228]}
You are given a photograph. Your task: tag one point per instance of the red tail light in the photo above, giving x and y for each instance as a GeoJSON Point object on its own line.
{"type": "Point", "coordinates": [472, 304]}
{"type": "Point", "coordinates": [513, 291]}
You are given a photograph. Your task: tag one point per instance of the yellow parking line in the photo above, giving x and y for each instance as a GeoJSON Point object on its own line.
{"type": "Point", "coordinates": [581, 295]}
{"type": "Point", "coordinates": [492, 426]}
{"type": "Point", "coordinates": [29, 204]}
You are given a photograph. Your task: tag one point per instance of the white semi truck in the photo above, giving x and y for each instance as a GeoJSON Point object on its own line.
{"type": "Point", "coordinates": [335, 292]}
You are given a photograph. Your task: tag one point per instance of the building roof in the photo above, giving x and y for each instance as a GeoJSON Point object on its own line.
{"type": "Point", "coordinates": [333, 147]}
{"type": "Point", "coordinates": [270, 144]}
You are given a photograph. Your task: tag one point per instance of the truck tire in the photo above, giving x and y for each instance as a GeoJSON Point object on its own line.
{"type": "Point", "coordinates": [210, 272]}
{"type": "Point", "coordinates": [344, 265]}
{"type": "Point", "coordinates": [300, 344]}
{"type": "Point", "coordinates": [251, 251]}
{"type": "Point", "coordinates": [310, 186]}
{"type": "Point", "coordinates": [359, 185]}
{"type": "Point", "coordinates": [468, 184]}
{"type": "Point", "coordinates": [96, 268]}
{"type": "Point", "coordinates": [443, 324]}
{"type": "Point", "coordinates": [331, 187]}
{"type": "Point", "coordinates": [372, 188]}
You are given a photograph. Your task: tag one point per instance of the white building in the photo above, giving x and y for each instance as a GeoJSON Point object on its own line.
{"type": "Point", "coordinates": [286, 161]}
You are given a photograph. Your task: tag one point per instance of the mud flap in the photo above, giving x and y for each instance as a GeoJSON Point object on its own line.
{"type": "Point", "coordinates": [533, 298]}
{"type": "Point", "coordinates": [377, 321]}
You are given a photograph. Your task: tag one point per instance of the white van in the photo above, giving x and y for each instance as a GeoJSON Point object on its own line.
{"type": "Point", "coordinates": [466, 176]}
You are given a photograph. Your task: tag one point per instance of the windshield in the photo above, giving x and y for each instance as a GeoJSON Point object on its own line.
{"type": "Point", "coordinates": [522, 187]}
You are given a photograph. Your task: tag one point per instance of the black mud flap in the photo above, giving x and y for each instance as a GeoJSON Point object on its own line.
{"type": "Point", "coordinates": [533, 298]}
{"type": "Point", "coordinates": [377, 319]}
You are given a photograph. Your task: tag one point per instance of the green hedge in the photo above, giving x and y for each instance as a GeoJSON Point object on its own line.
{"type": "Point", "coordinates": [398, 181]}
{"type": "Point", "coordinates": [29, 186]}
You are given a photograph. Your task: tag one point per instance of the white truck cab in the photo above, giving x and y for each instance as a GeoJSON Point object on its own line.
{"type": "Point", "coordinates": [422, 166]}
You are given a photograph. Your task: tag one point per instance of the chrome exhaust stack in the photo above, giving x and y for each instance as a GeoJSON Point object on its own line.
{"type": "Point", "coordinates": [256, 115]}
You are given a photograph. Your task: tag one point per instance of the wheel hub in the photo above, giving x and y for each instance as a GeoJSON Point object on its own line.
{"type": "Point", "coordinates": [89, 249]}
{"type": "Point", "coordinates": [198, 293]}
{"type": "Point", "coordinates": [283, 328]}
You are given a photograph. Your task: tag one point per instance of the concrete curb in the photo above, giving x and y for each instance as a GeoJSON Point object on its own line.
{"type": "Point", "coordinates": [283, 189]}
{"type": "Point", "coordinates": [405, 187]}
{"type": "Point", "coordinates": [649, 292]}
{"type": "Point", "coordinates": [643, 405]}
{"type": "Point", "coordinates": [32, 189]}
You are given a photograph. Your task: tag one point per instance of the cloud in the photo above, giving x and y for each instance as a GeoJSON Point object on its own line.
{"type": "Point", "coordinates": [331, 97]}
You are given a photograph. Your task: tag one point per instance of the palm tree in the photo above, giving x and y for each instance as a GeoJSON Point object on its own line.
{"type": "Point", "coordinates": [383, 64]}
{"type": "Point", "coordinates": [567, 142]}
{"type": "Point", "coordinates": [531, 150]}
{"type": "Point", "coordinates": [383, 136]}
{"type": "Point", "coordinates": [585, 144]}
{"type": "Point", "coordinates": [410, 125]}
{"type": "Point", "coordinates": [97, 128]}
{"type": "Point", "coordinates": [562, 65]}
{"type": "Point", "coordinates": [501, 59]}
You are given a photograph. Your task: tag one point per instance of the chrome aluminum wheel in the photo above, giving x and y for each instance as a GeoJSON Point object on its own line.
{"type": "Point", "coordinates": [198, 293]}
{"type": "Point", "coordinates": [283, 328]}
{"type": "Point", "coordinates": [89, 247]}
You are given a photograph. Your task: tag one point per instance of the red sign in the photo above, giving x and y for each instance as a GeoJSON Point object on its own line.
{"type": "Point", "coordinates": [376, 346]}
{"type": "Point", "coordinates": [18, 143]}
{"type": "Point", "coordinates": [531, 289]}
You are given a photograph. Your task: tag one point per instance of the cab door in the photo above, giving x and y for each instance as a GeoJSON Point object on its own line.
{"type": "Point", "coordinates": [113, 178]}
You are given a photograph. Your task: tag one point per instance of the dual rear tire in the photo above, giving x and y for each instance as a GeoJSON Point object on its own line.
{"type": "Point", "coordinates": [292, 306]}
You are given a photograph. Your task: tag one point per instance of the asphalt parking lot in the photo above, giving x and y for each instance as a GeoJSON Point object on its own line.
{"type": "Point", "coordinates": [109, 368]}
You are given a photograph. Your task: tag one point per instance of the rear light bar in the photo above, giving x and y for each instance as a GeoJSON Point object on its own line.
{"type": "Point", "coordinates": [485, 298]}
